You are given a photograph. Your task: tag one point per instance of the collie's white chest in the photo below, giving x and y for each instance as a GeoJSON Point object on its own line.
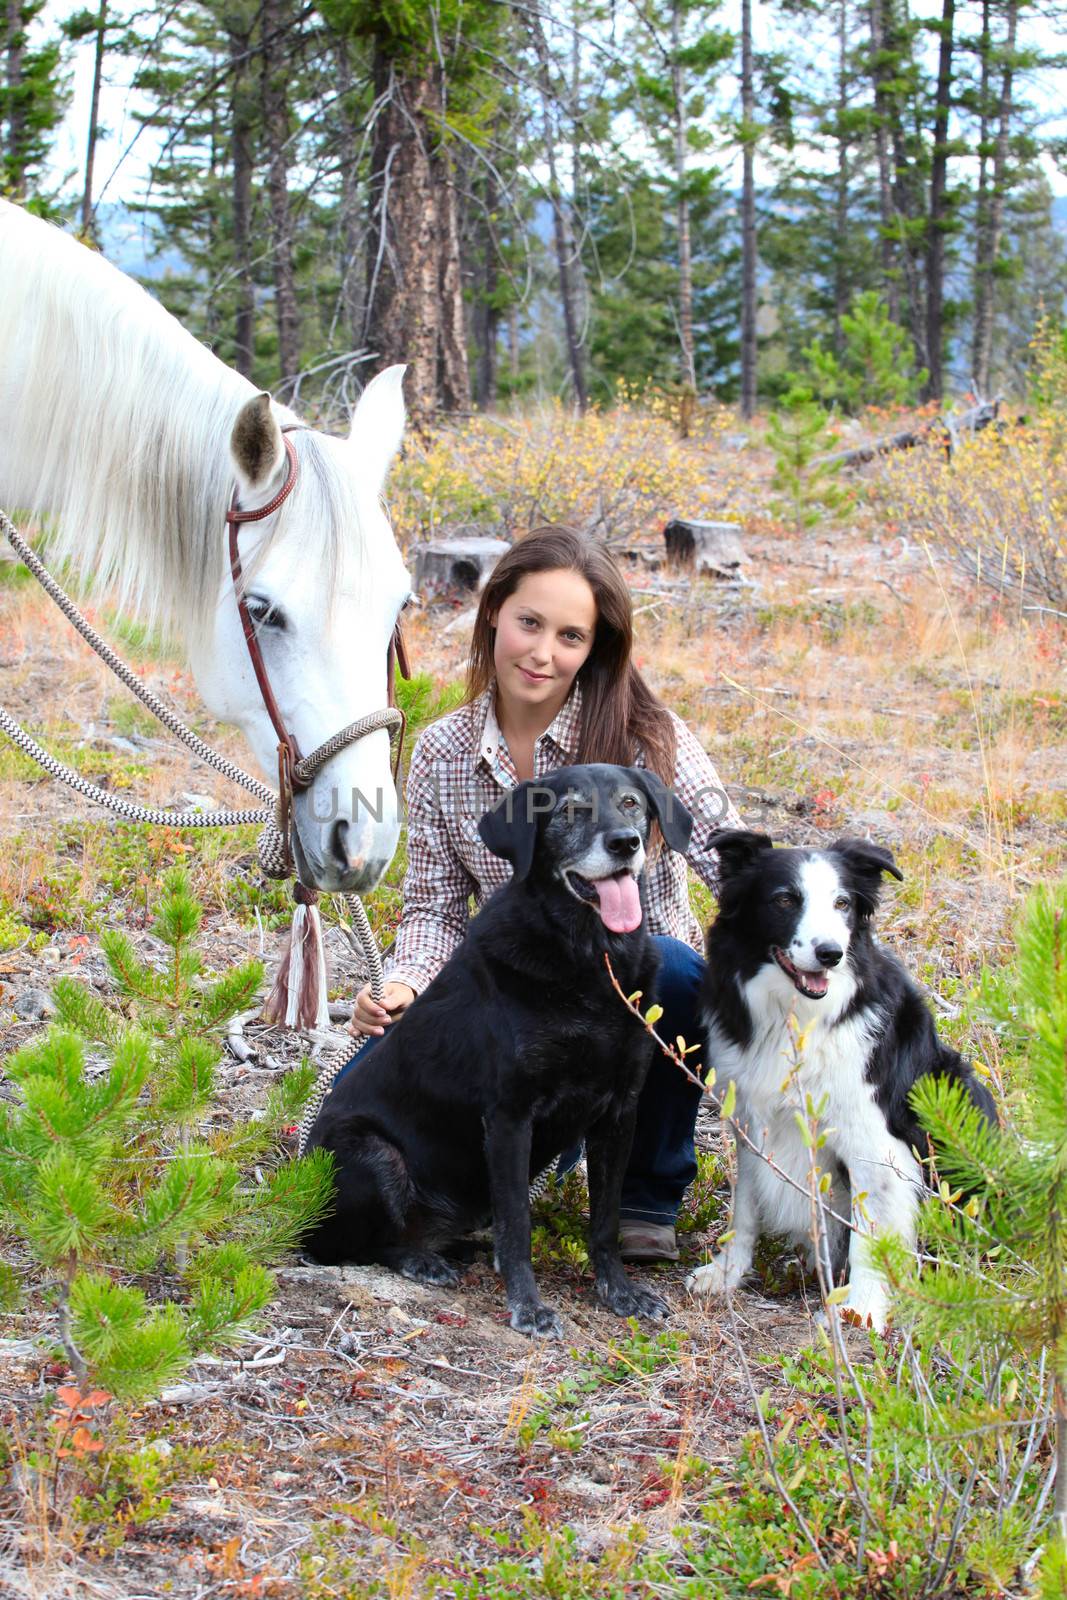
{"type": "Point", "coordinates": [798, 1060]}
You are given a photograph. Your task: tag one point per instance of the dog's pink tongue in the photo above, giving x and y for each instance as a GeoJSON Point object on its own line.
{"type": "Point", "coordinates": [620, 903]}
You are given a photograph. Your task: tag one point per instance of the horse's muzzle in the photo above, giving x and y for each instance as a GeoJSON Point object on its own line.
{"type": "Point", "coordinates": [342, 853]}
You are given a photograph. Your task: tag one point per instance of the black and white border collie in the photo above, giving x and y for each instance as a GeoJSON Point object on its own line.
{"type": "Point", "coordinates": [793, 940]}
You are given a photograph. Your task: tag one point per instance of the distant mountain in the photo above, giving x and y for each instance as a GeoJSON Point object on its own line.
{"type": "Point", "coordinates": [128, 239]}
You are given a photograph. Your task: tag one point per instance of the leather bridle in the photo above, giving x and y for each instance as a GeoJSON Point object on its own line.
{"type": "Point", "coordinates": [297, 772]}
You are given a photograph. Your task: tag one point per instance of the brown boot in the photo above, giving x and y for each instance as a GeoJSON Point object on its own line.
{"type": "Point", "coordinates": [648, 1241]}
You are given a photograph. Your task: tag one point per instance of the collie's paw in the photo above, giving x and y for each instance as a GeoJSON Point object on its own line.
{"type": "Point", "coordinates": [631, 1300]}
{"type": "Point", "coordinates": [538, 1321]}
{"type": "Point", "coordinates": [867, 1306]}
{"type": "Point", "coordinates": [720, 1276]}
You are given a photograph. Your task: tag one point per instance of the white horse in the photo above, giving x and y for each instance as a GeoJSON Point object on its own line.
{"type": "Point", "coordinates": [117, 423]}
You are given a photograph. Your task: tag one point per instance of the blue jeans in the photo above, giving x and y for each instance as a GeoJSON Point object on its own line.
{"type": "Point", "coordinates": [663, 1161]}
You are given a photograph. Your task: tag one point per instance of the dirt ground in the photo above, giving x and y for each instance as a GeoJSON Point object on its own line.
{"type": "Point", "coordinates": [378, 1434]}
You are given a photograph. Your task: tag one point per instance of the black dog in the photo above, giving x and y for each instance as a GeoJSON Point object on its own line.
{"type": "Point", "coordinates": [793, 940]}
{"type": "Point", "coordinates": [518, 1049]}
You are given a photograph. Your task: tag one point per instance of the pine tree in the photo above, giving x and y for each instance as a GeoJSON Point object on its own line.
{"type": "Point", "coordinates": [32, 99]}
{"type": "Point", "coordinates": [875, 366]}
{"type": "Point", "coordinates": [806, 485]}
{"type": "Point", "coordinates": [110, 1176]}
{"type": "Point", "coordinates": [1000, 1259]}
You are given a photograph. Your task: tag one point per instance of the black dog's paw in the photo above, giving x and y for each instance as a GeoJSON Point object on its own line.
{"type": "Point", "coordinates": [539, 1321]}
{"type": "Point", "coordinates": [426, 1266]}
{"type": "Point", "coordinates": [630, 1300]}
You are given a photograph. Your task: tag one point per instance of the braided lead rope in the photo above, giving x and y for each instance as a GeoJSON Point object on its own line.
{"type": "Point", "coordinates": [125, 808]}
{"type": "Point", "coordinates": [162, 713]}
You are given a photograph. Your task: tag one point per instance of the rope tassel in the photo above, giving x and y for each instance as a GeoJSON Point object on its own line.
{"type": "Point", "coordinates": [298, 997]}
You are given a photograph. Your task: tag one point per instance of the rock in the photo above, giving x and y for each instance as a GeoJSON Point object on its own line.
{"type": "Point", "coordinates": [460, 565]}
{"type": "Point", "coordinates": [33, 1005]}
{"type": "Point", "coordinates": [713, 548]}
{"type": "Point", "coordinates": [156, 1449]}
{"type": "Point", "coordinates": [199, 802]}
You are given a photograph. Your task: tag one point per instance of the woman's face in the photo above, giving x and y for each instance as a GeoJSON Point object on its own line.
{"type": "Point", "coordinates": [544, 633]}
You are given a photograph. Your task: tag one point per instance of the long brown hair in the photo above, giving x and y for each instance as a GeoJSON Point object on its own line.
{"type": "Point", "coordinates": [620, 714]}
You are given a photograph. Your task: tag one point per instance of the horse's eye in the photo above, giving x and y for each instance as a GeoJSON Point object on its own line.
{"type": "Point", "coordinates": [264, 614]}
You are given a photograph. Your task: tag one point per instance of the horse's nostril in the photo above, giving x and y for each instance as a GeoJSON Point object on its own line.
{"type": "Point", "coordinates": [338, 845]}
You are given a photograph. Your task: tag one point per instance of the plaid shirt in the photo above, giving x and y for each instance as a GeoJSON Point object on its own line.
{"type": "Point", "coordinates": [460, 768]}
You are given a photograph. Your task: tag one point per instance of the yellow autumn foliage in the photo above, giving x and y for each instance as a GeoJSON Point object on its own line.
{"type": "Point", "coordinates": [998, 507]}
{"type": "Point", "coordinates": [619, 473]}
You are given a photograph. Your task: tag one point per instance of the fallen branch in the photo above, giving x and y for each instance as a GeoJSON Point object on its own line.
{"type": "Point", "coordinates": [951, 426]}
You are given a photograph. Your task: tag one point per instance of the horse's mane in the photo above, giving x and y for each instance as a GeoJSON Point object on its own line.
{"type": "Point", "coordinates": [116, 421]}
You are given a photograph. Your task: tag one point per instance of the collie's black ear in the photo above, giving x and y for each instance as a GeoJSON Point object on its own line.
{"type": "Point", "coordinates": [737, 848]}
{"type": "Point", "coordinates": [867, 858]}
{"type": "Point", "coordinates": [510, 829]}
{"type": "Point", "coordinates": [675, 822]}
{"type": "Point", "coordinates": [865, 862]}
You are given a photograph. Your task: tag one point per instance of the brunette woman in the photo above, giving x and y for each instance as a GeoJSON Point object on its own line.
{"type": "Point", "coordinates": [551, 682]}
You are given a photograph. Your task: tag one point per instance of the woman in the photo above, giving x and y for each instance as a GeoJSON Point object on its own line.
{"type": "Point", "coordinates": [550, 683]}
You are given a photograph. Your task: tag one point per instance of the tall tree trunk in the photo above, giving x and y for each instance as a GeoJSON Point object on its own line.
{"type": "Point", "coordinates": [487, 315]}
{"type": "Point", "coordinates": [276, 130]}
{"type": "Point", "coordinates": [841, 188]}
{"type": "Point", "coordinates": [879, 74]}
{"type": "Point", "coordinates": [88, 227]}
{"type": "Point", "coordinates": [981, 204]}
{"type": "Point", "coordinates": [561, 231]}
{"type": "Point", "coordinates": [16, 117]}
{"type": "Point", "coordinates": [454, 372]}
{"type": "Point", "coordinates": [681, 150]}
{"type": "Point", "coordinates": [909, 208]}
{"type": "Point", "coordinates": [514, 351]}
{"type": "Point", "coordinates": [564, 244]}
{"type": "Point", "coordinates": [748, 219]}
{"type": "Point", "coordinates": [241, 126]}
{"type": "Point", "coordinates": [988, 244]}
{"type": "Point", "coordinates": [351, 288]}
{"type": "Point", "coordinates": [938, 218]}
{"type": "Point", "coordinates": [402, 301]}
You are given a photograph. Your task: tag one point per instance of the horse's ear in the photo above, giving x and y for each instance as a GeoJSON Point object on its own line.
{"type": "Point", "coordinates": [378, 424]}
{"type": "Point", "coordinates": [256, 443]}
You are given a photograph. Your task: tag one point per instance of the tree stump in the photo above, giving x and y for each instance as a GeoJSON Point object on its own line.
{"type": "Point", "coordinates": [711, 548]}
{"type": "Point", "coordinates": [457, 565]}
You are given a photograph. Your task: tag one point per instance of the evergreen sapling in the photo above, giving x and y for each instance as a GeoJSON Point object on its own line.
{"type": "Point", "coordinates": [806, 486]}
{"type": "Point", "coordinates": [119, 1177]}
{"type": "Point", "coordinates": [996, 1228]}
{"type": "Point", "coordinates": [875, 368]}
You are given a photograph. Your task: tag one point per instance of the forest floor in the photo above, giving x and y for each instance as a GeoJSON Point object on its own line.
{"type": "Point", "coordinates": [379, 1437]}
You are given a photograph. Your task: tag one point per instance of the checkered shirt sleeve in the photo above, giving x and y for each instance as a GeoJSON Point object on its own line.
{"type": "Point", "coordinates": [437, 885]}
{"type": "Point", "coordinates": [702, 792]}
